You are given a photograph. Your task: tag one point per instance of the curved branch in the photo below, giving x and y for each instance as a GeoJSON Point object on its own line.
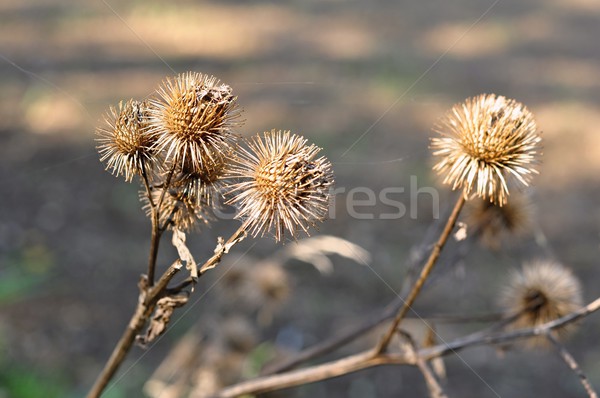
{"type": "Point", "coordinates": [371, 358]}
{"type": "Point", "coordinates": [312, 374]}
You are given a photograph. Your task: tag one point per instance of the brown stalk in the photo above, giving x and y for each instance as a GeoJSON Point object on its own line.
{"type": "Point", "coordinates": [156, 233]}
{"type": "Point", "coordinates": [427, 268]}
{"type": "Point", "coordinates": [433, 385]}
{"type": "Point", "coordinates": [347, 336]}
{"type": "Point", "coordinates": [149, 295]}
{"type": "Point", "coordinates": [146, 303]}
{"type": "Point", "coordinates": [572, 364]}
{"type": "Point", "coordinates": [370, 358]}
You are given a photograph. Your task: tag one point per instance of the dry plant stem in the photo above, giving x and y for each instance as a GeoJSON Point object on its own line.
{"type": "Point", "coordinates": [223, 248]}
{"type": "Point", "coordinates": [573, 365]}
{"type": "Point", "coordinates": [427, 268]}
{"type": "Point", "coordinates": [347, 336]}
{"type": "Point", "coordinates": [503, 337]}
{"type": "Point", "coordinates": [434, 387]}
{"type": "Point", "coordinates": [155, 237]}
{"type": "Point", "coordinates": [328, 370]}
{"type": "Point", "coordinates": [146, 303]}
{"type": "Point", "coordinates": [367, 359]}
{"type": "Point", "coordinates": [149, 295]}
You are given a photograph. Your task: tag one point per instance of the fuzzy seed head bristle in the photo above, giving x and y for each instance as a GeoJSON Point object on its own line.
{"type": "Point", "coordinates": [540, 292]}
{"type": "Point", "coordinates": [124, 141]}
{"type": "Point", "coordinates": [181, 208]}
{"type": "Point", "coordinates": [193, 120]}
{"type": "Point", "coordinates": [283, 185]}
{"type": "Point", "coordinates": [487, 143]}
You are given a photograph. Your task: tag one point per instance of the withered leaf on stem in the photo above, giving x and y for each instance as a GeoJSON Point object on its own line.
{"type": "Point", "coordinates": [162, 316]}
{"type": "Point", "coordinates": [184, 252]}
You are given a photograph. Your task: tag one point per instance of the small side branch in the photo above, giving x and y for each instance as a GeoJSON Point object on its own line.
{"type": "Point", "coordinates": [146, 303]}
{"type": "Point", "coordinates": [573, 365]}
{"type": "Point", "coordinates": [328, 370]}
{"type": "Point", "coordinates": [370, 358]}
{"type": "Point", "coordinates": [434, 387]}
{"type": "Point", "coordinates": [427, 268]}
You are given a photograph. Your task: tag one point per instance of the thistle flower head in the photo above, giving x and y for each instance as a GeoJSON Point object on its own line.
{"type": "Point", "coordinates": [192, 120]}
{"type": "Point", "coordinates": [487, 142]}
{"type": "Point", "coordinates": [207, 184]}
{"type": "Point", "coordinates": [180, 209]}
{"type": "Point", "coordinates": [283, 185]}
{"type": "Point", "coordinates": [540, 292]}
{"type": "Point", "coordinates": [493, 223]}
{"type": "Point", "coordinates": [124, 141]}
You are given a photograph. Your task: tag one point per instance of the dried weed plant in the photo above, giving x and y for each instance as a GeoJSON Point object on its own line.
{"type": "Point", "coordinates": [486, 143]}
{"type": "Point", "coordinates": [182, 145]}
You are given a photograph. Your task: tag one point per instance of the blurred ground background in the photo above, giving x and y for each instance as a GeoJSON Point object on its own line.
{"type": "Point", "coordinates": [73, 240]}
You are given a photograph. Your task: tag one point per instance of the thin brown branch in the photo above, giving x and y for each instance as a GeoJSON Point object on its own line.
{"type": "Point", "coordinates": [434, 387]}
{"type": "Point", "coordinates": [156, 232]}
{"type": "Point", "coordinates": [328, 370]}
{"type": "Point", "coordinates": [159, 204]}
{"type": "Point", "coordinates": [223, 248]}
{"type": "Point", "coordinates": [427, 268]}
{"type": "Point", "coordinates": [149, 295]}
{"type": "Point", "coordinates": [573, 365]}
{"type": "Point", "coordinates": [417, 254]}
{"type": "Point", "coordinates": [146, 303]}
{"type": "Point", "coordinates": [503, 337]}
{"type": "Point", "coordinates": [370, 358]}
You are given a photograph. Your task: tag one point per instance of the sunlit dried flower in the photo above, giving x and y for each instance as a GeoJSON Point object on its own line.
{"type": "Point", "coordinates": [207, 185]}
{"type": "Point", "coordinates": [540, 292]}
{"type": "Point", "coordinates": [487, 142]}
{"type": "Point", "coordinates": [492, 223]}
{"type": "Point", "coordinates": [125, 143]}
{"type": "Point", "coordinates": [284, 186]}
{"type": "Point", "coordinates": [192, 120]}
{"type": "Point", "coordinates": [180, 208]}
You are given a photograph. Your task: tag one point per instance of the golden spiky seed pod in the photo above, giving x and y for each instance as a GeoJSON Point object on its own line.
{"type": "Point", "coordinates": [124, 141]}
{"type": "Point", "coordinates": [192, 120]}
{"type": "Point", "coordinates": [283, 185]}
{"type": "Point", "coordinates": [487, 142]}
{"type": "Point", "coordinates": [492, 223]}
{"type": "Point", "coordinates": [180, 209]}
{"type": "Point", "coordinates": [207, 184]}
{"type": "Point", "coordinates": [540, 292]}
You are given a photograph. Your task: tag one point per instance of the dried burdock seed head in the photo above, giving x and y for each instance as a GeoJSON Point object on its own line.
{"type": "Point", "coordinates": [180, 208]}
{"type": "Point", "coordinates": [283, 185]}
{"type": "Point", "coordinates": [492, 223]}
{"type": "Point", "coordinates": [207, 184]}
{"type": "Point", "coordinates": [486, 143]}
{"type": "Point", "coordinates": [192, 120]}
{"type": "Point", "coordinates": [540, 292]}
{"type": "Point", "coordinates": [124, 141]}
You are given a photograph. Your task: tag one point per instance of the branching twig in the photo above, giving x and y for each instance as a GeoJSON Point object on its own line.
{"type": "Point", "coordinates": [312, 374]}
{"type": "Point", "coordinates": [149, 295]}
{"type": "Point", "coordinates": [427, 268]}
{"type": "Point", "coordinates": [434, 387]}
{"type": "Point", "coordinates": [371, 358]}
{"type": "Point", "coordinates": [573, 365]}
{"type": "Point", "coordinates": [146, 303]}
{"type": "Point", "coordinates": [156, 231]}
{"type": "Point", "coordinates": [418, 252]}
